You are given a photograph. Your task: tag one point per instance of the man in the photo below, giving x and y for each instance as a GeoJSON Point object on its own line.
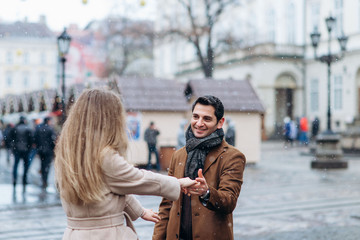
{"type": "Point", "coordinates": [204, 211]}
{"type": "Point", "coordinates": [44, 139]}
{"type": "Point", "coordinates": [21, 139]}
{"type": "Point", "coordinates": [150, 137]}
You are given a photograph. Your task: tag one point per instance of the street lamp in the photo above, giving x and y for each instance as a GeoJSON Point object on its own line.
{"type": "Point", "coordinates": [63, 42]}
{"type": "Point", "coordinates": [328, 148]}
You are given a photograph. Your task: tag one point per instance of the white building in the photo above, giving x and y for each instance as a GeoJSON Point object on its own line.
{"type": "Point", "coordinates": [28, 58]}
{"type": "Point", "coordinates": [275, 53]}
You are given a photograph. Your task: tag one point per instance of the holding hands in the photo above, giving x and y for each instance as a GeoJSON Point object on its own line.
{"type": "Point", "coordinates": [188, 186]}
{"type": "Point", "coordinates": [196, 187]}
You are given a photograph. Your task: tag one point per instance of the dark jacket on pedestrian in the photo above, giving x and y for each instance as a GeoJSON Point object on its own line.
{"type": "Point", "coordinates": [6, 136]}
{"type": "Point", "coordinates": [44, 139]}
{"type": "Point", "coordinates": [21, 137]}
{"type": "Point", "coordinates": [151, 135]}
{"type": "Point", "coordinates": [230, 135]}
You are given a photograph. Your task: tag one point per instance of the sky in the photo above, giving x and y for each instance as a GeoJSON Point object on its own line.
{"type": "Point", "coordinates": [61, 13]}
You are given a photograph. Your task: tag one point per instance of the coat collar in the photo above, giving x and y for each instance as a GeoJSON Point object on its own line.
{"type": "Point", "coordinates": [214, 154]}
{"type": "Point", "coordinates": [211, 158]}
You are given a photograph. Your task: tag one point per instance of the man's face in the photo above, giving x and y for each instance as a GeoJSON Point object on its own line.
{"type": "Point", "coordinates": [203, 121]}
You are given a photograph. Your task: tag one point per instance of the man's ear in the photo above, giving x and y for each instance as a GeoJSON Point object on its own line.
{"type": "Point", "coordinates": [220, 123]}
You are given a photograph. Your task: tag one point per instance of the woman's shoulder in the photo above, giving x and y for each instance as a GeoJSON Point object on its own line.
{"type": "Point", "coordinates": [110, 159]}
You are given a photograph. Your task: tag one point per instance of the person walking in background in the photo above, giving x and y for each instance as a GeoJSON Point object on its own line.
{"type": "Point", "coordinates": [33, 151]}
{"type": "Point", "coordinates": [206, 211]}
{"type": "Point", "coordinates": [44, 140]}
{"type": "Point", "coordinates": [7, 141]}
{"type": "Point", "coordinates": [230, 133]}
{"type": "Point", "coordinates": [286, 130]}
{"type": "Point", "coordinates": [150, 137]}
{"type": "Point", "coordinates": [304, 128]}
{"type": "Point", "coordinates": [315, 127]}
{"type": "Point", "coordinates": [181, 140]}
{"type": "Point", "coordinates": [21, 139]}
{"type": "Point", "coordinates": [95, 182]}
{"type": "Point", "coordinates": [293, 132]}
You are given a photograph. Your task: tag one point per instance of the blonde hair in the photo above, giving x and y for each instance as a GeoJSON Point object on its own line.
{"type": "Point", "coordinates": [96, 124]}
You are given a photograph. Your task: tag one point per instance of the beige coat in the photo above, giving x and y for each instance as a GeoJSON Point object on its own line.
{"type": "Point", "coordinates": [223, 171]}
{"type": "Point", "coordinates": [106, 219]}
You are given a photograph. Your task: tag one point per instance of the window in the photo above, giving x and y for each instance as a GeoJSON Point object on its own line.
{"type": "Point", "coordinates": [42, 58]}
{"type": "Point", "coordinates": [338, 96]}
{"type": "Point", "coordinates": [315, 16]}
{"type": "Point", "coordinates": [26, 58]}
{"type": "Point", "coordinates": [26, 79]}
{"type": "Point", "coordinates": [271, 25]}
{"type": "Point", "coordinates": [291, 23]}
{"type": "Point", "coordinates": [339, 17]}
{"type": "Point", "coordinates": [9, 80]}
{"type": "Point", "coordinates": [9, 57]}
{"type": "Point", "coordinates": [42, 79]}
{"type": "Point", "coordinates": [314, 95]}
{"type": "Point", "coordinates": [359, 14]}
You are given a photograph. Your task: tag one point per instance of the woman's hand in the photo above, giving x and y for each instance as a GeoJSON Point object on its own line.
{"type": "Point", "coordinates": [201, 187]}
{"type": "Point", "coordinates": [186, 182]}
{"type": "Point", "coordinates": [150, 215]}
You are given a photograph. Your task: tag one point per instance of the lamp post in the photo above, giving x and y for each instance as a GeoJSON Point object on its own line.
{"type": "Point", "coordinates": [328, 147]}
{"type": "Point", "coordinates": [63, 43]}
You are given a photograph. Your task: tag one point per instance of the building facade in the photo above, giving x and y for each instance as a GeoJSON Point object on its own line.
{"type": "Point", "coordinates": [28, 58]}
{"type": "Point", "coordinates": [273, 51]}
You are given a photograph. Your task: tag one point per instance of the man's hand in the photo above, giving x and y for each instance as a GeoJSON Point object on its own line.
{"type": "Point", "coordinates": [185, 183]}
{"type": "Point", "coordinates": [201, 187]}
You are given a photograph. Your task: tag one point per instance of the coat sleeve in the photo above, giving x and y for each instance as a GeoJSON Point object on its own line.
{"type": "Point", "coordinates": [224, 198]}
{"type": "Point", "coordinates": [133, 207]}
{"type": "Point", "coordinates": [123, 178]}
{"type": "Point", "coordinates": [164, 210]}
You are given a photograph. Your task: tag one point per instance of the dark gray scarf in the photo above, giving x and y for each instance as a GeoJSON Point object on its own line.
{"type": "Point", "coordinates": [198, 148]}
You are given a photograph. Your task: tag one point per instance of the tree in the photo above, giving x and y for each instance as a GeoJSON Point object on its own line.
{"type": "Point", "coordinates": [127, 41]}
{"type": "Point", "coordinates": [203, 16]}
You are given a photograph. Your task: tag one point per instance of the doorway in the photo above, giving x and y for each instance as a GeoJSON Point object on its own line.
{"type": "Point", "coordinates": [285, 86]}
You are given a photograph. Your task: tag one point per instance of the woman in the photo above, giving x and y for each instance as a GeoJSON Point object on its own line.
{"type": "Point", "coordinates": [95, 181]}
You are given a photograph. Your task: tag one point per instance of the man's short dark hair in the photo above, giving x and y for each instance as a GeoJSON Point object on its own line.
{"type": "Point", "coordinates": [212, 101]}
{"type": "Point", "coordinates": [47, 120]}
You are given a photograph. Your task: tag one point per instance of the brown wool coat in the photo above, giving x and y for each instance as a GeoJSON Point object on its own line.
{"type": "Point", "coordinates": [223, 171]}
{"type": "Point", "coordinates": [106, 219]}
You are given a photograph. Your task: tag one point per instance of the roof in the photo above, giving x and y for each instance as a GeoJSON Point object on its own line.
{"type": "Point", "coordinates": [149, 94]}
{"type": "Point", "coordinates": [236, 95]}
{"type": "Point", "coordinates": [25, 29]}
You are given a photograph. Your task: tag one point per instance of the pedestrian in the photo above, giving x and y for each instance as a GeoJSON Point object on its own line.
{"type": "Point", "coordinates": [206, 211]}
{"type": "Point", "coordinates": [181, 141]}
{"type": "Point", "coordinates": [230, 133]}
{"type": "Point", "coordinates": [21, 137]}
{"type": "Point", "coordinates": [33, 151]}
{"type": "Point", "coordinates": [293, 132]}
{"type": "Point", "coordinates": [315, 127]}
{"type": "Point", "coordinates": [150, 137]}
{"type": "Point", "coordinates": [44, 140]}
{"type": "Point", "coordinates": [8, 142]}
{"type": "Point", "coordinates": [95, 181]}
{"type": "Point", "coordinates": [304, 128]}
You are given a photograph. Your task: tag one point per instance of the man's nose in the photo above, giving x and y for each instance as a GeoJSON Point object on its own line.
{"type": "Point", "coordinates": [200, 122]}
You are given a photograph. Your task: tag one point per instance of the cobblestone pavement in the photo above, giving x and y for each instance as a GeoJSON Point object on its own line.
{"type": "Point", "coordinates": [282, 199]}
